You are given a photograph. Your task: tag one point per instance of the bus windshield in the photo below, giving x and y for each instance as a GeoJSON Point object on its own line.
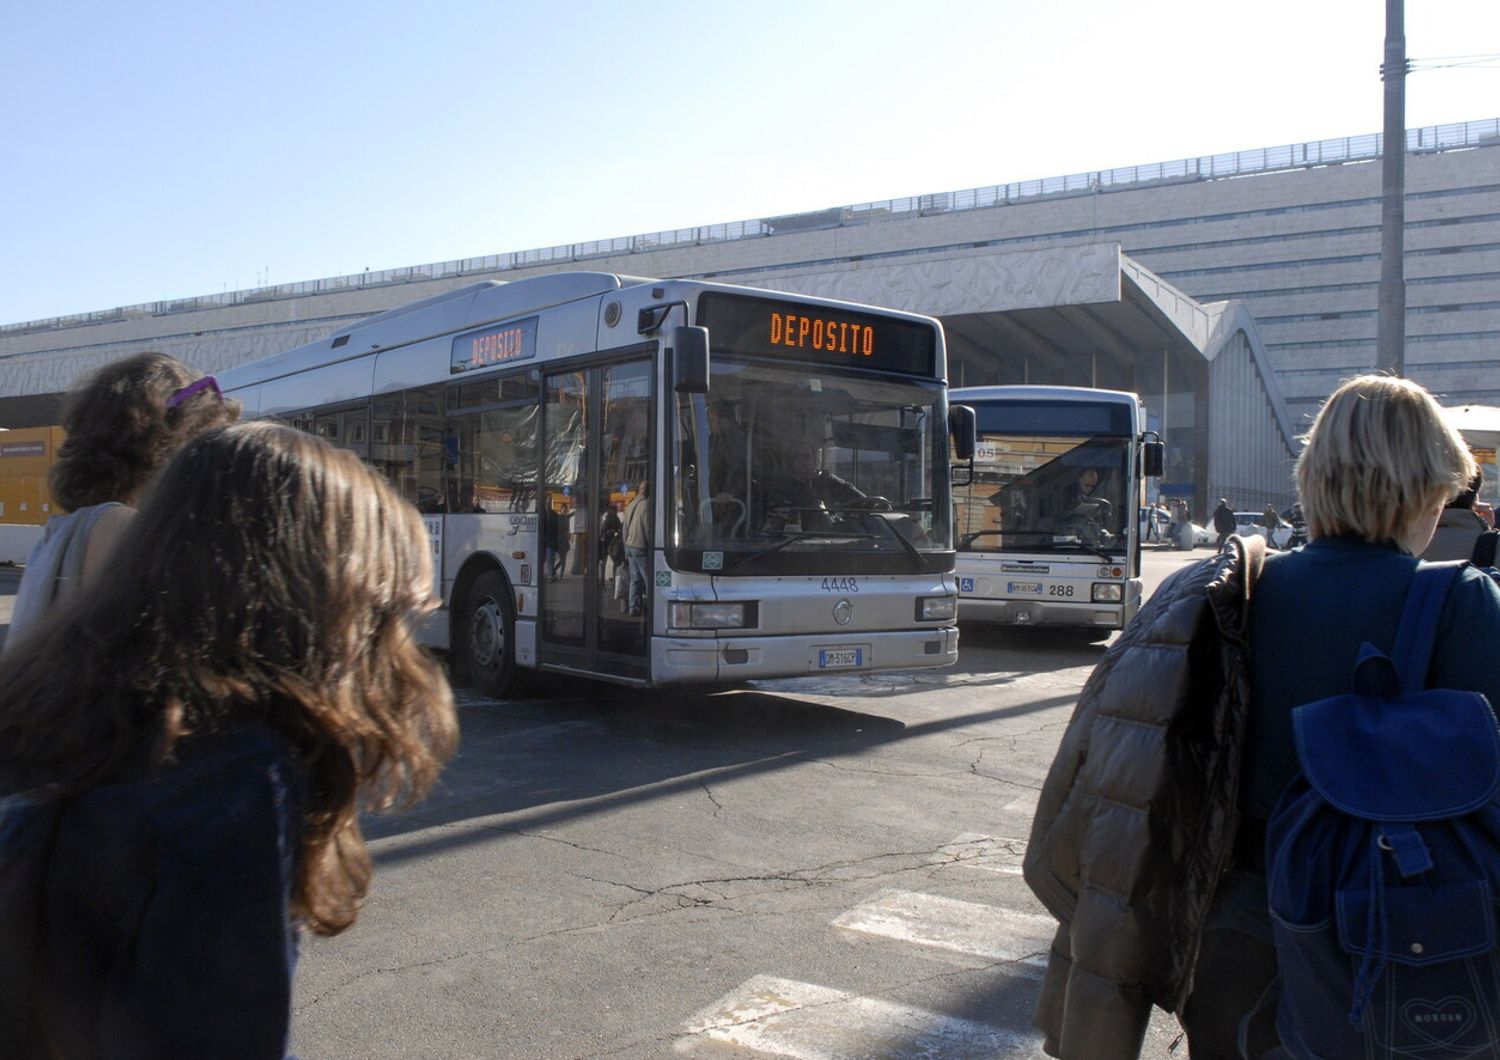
{"type": "Point", "coordinates": [778, 462]}
{"type": "Point", "coordinates": [1046, 493]}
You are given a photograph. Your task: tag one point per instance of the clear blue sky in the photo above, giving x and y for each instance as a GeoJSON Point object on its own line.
{"type": "Point", "coordinates": [169, 149]}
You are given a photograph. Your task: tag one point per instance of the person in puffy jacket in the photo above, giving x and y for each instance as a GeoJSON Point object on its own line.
{"type": "Point", "coordinates": [1149, 839]}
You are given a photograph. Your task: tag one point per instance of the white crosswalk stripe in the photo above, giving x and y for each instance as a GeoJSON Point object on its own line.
{"type": "Point", "coordinates": [964, 927]}
{"type": "Point", "coordinates": [782, 1017]}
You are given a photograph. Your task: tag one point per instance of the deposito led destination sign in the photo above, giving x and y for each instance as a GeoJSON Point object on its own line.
{"type": "Point", "coordinates": [791, 329]}
{"type": "Point", "coordinates": [818, 335]}
{"type": "Point", "coordinates": [514, 341]}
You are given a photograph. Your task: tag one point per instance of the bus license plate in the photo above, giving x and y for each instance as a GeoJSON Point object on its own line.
{"type": "Point", "coordinates": [1030, 588]}
{"type": "Point", "coordinates": [840, 658]}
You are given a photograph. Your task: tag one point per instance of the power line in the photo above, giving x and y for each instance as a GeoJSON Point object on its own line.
{"type": "Point", "coordinates": [1450, 62]}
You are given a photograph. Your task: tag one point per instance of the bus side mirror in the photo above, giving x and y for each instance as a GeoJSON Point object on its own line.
{"type": "Point", "coordinates": [690, 360]}
{"type": "Point", "coordinates": [1153, 459]}
{"type": "Point", "coordinates": [961, 424]}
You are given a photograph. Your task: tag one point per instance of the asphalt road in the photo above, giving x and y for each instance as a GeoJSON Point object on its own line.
{"type": "Point", "coordinates": [825, 868]}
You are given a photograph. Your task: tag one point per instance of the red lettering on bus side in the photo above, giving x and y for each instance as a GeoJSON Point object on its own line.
{"type": "Point", "coordinates": [817, 334]}
{"type": "Point", "coordinates": [869, 340]}
{"type": "Point", "coordinates": [803, 326]}
{"type": "Point", "coordinates": [775, 329]}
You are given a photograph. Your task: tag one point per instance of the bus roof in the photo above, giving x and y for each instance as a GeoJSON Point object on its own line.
{"type": "Point", "coordinates": [488, 302]}
{"type": "Point", "coordinates": [472, 305]}
{"type": "Point", "coordinates": [1021, 392]}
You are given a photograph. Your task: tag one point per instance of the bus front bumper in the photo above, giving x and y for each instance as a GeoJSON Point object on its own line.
{"type": "Point", "coordinates": [681, 660]}
{"type": "Point", "coordinates": [1041, 613]}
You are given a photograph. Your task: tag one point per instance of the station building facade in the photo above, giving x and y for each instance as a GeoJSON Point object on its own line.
{"type": "Point", "coordinates": [1245, 287]}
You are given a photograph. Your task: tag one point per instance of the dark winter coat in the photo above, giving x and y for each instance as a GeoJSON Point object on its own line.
{"type": "Point", "coordinates": [162, 926]}
{"type": "Point", "coordinates": [1136, 821]}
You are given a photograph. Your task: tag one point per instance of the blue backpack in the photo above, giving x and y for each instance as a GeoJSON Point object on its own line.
{"type": "Point", "coordinates": [1384, 860]}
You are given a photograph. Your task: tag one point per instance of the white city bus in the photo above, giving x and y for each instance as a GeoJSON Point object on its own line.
{"type": "Point", "coordinates": [1047, 527]}
{"type": "Point", "coordinates": [791, 454]}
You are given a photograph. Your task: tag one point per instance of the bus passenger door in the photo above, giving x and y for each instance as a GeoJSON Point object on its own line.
{"type": "Point", "coordinates": [596, 456]}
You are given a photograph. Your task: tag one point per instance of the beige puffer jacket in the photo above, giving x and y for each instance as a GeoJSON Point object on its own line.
{"type": "Point", "coordinates": [1135, 824]}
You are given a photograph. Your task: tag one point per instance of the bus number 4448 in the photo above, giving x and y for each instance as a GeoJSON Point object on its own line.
{"type": "Point", "coordinates": [841, 585]}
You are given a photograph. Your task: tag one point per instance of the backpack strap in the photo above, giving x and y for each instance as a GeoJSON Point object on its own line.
{"type": "Point", "coordinates": [1412, 653]}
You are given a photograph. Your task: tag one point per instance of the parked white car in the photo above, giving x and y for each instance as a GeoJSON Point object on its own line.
{"type": "Point", "coordinates": [1253, 524]}
{"type": "Point", "coordinates": [1200, 536]}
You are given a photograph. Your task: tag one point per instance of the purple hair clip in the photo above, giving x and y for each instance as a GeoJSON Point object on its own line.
{"type": "Point", "coordinates": [208, 382]}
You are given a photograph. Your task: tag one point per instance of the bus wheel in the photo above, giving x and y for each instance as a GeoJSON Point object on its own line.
{"type": "Point", "coordinates": [490, 636]}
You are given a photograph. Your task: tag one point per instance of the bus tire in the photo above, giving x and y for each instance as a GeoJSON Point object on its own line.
{"type": "Point", "coordinates": [489, 636]}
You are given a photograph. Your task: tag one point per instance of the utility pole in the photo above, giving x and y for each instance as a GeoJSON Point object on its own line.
{"type": "Point", "coordinates": [1390, 336]}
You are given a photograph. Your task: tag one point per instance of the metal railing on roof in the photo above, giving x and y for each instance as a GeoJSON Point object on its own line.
{"type": "Point", "coordinates": [1428, 140]}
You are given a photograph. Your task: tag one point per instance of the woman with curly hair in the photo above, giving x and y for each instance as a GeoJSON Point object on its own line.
{"type": "Point", "coordinates": [185, 750]}
{"type": "Point", "coordinates": [122, 424]}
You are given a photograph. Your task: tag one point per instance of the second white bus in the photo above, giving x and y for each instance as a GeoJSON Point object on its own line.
{"type": "Point", "coordinates": [1047, 526]}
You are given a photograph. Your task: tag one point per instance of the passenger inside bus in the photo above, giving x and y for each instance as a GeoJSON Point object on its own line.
{"type": "Point", "coordinates": [1087, 512]}
{"type": "Point", "coordinates": [801, 492]}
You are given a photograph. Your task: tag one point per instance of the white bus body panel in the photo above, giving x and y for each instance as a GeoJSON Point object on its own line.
{"type": "Point", "coordinates": [877, 632]}
{"type": "Point", "coordinates": [1005, 588]}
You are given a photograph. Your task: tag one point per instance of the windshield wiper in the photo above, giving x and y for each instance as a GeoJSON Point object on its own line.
{"type": "Point", "coordinates": [1095, 549]}
{"type": "Point", "coordinates": [793, 538]}
{"type": "Point", "coordinates": [1050, 540]}
{"type": "Point", "coordinates": [888, 520]}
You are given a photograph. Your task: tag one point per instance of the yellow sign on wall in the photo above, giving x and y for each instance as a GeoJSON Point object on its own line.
{"type": "Point", "coordinates": [26, 458]}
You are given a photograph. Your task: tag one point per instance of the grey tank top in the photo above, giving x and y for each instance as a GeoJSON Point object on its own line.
{"type": "Point", "coordinates": [54, 568]}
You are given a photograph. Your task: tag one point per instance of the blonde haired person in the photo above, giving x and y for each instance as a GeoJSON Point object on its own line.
{"type": "Point", "coordinates": [1193, 705]}
{"type": "Point", "coordinates": [121, 425]}
{"type": "Point", "coordinates": [185, 750]}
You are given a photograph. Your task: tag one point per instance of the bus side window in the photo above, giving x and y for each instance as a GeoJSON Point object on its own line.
{"type": "Point", "coordinates": [497, 454]}
{"type": "Point", "coordinates": [415, 453]}
{"type": "Point", "coordinates": [493, 422]}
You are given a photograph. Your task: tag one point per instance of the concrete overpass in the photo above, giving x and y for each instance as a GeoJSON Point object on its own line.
{"type": "Point", "coordinates": [1082, 315]}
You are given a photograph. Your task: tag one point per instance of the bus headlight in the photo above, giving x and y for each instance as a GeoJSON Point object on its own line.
{"type": "Point", "coordinates": [695, 614]}
{"type": "Point", "coordinates": [1107, 593]}
{"type": "Point", "coordinates": [937, 608]}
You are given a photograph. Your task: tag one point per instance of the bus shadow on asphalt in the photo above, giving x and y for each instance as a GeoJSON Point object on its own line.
{"type": "Point", "coordinates": [527, 765]}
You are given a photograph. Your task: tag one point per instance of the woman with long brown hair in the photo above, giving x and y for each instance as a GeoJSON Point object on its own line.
{"type": "Point", "coordinates": [188, 747]}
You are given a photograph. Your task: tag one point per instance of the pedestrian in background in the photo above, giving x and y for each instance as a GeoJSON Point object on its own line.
{"type": "Point", "coordinates": [1129, 843]}
{"type": "Point", "coordinates": [121, 425]}
{"type": "Point", "coordinates": [1223, 522]}
{"type": "Point", "coordinates": [1459, 526]}
{"type": "Point", "coordinates": [184, 752]}
{"type": "Point", "coordinates": [637, 535]}
{"type": "Point", "coordinates": [1271, 519]}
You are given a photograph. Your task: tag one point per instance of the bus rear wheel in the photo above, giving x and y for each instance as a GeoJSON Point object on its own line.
{"type": "Point", "coordinates": [489, 636]}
